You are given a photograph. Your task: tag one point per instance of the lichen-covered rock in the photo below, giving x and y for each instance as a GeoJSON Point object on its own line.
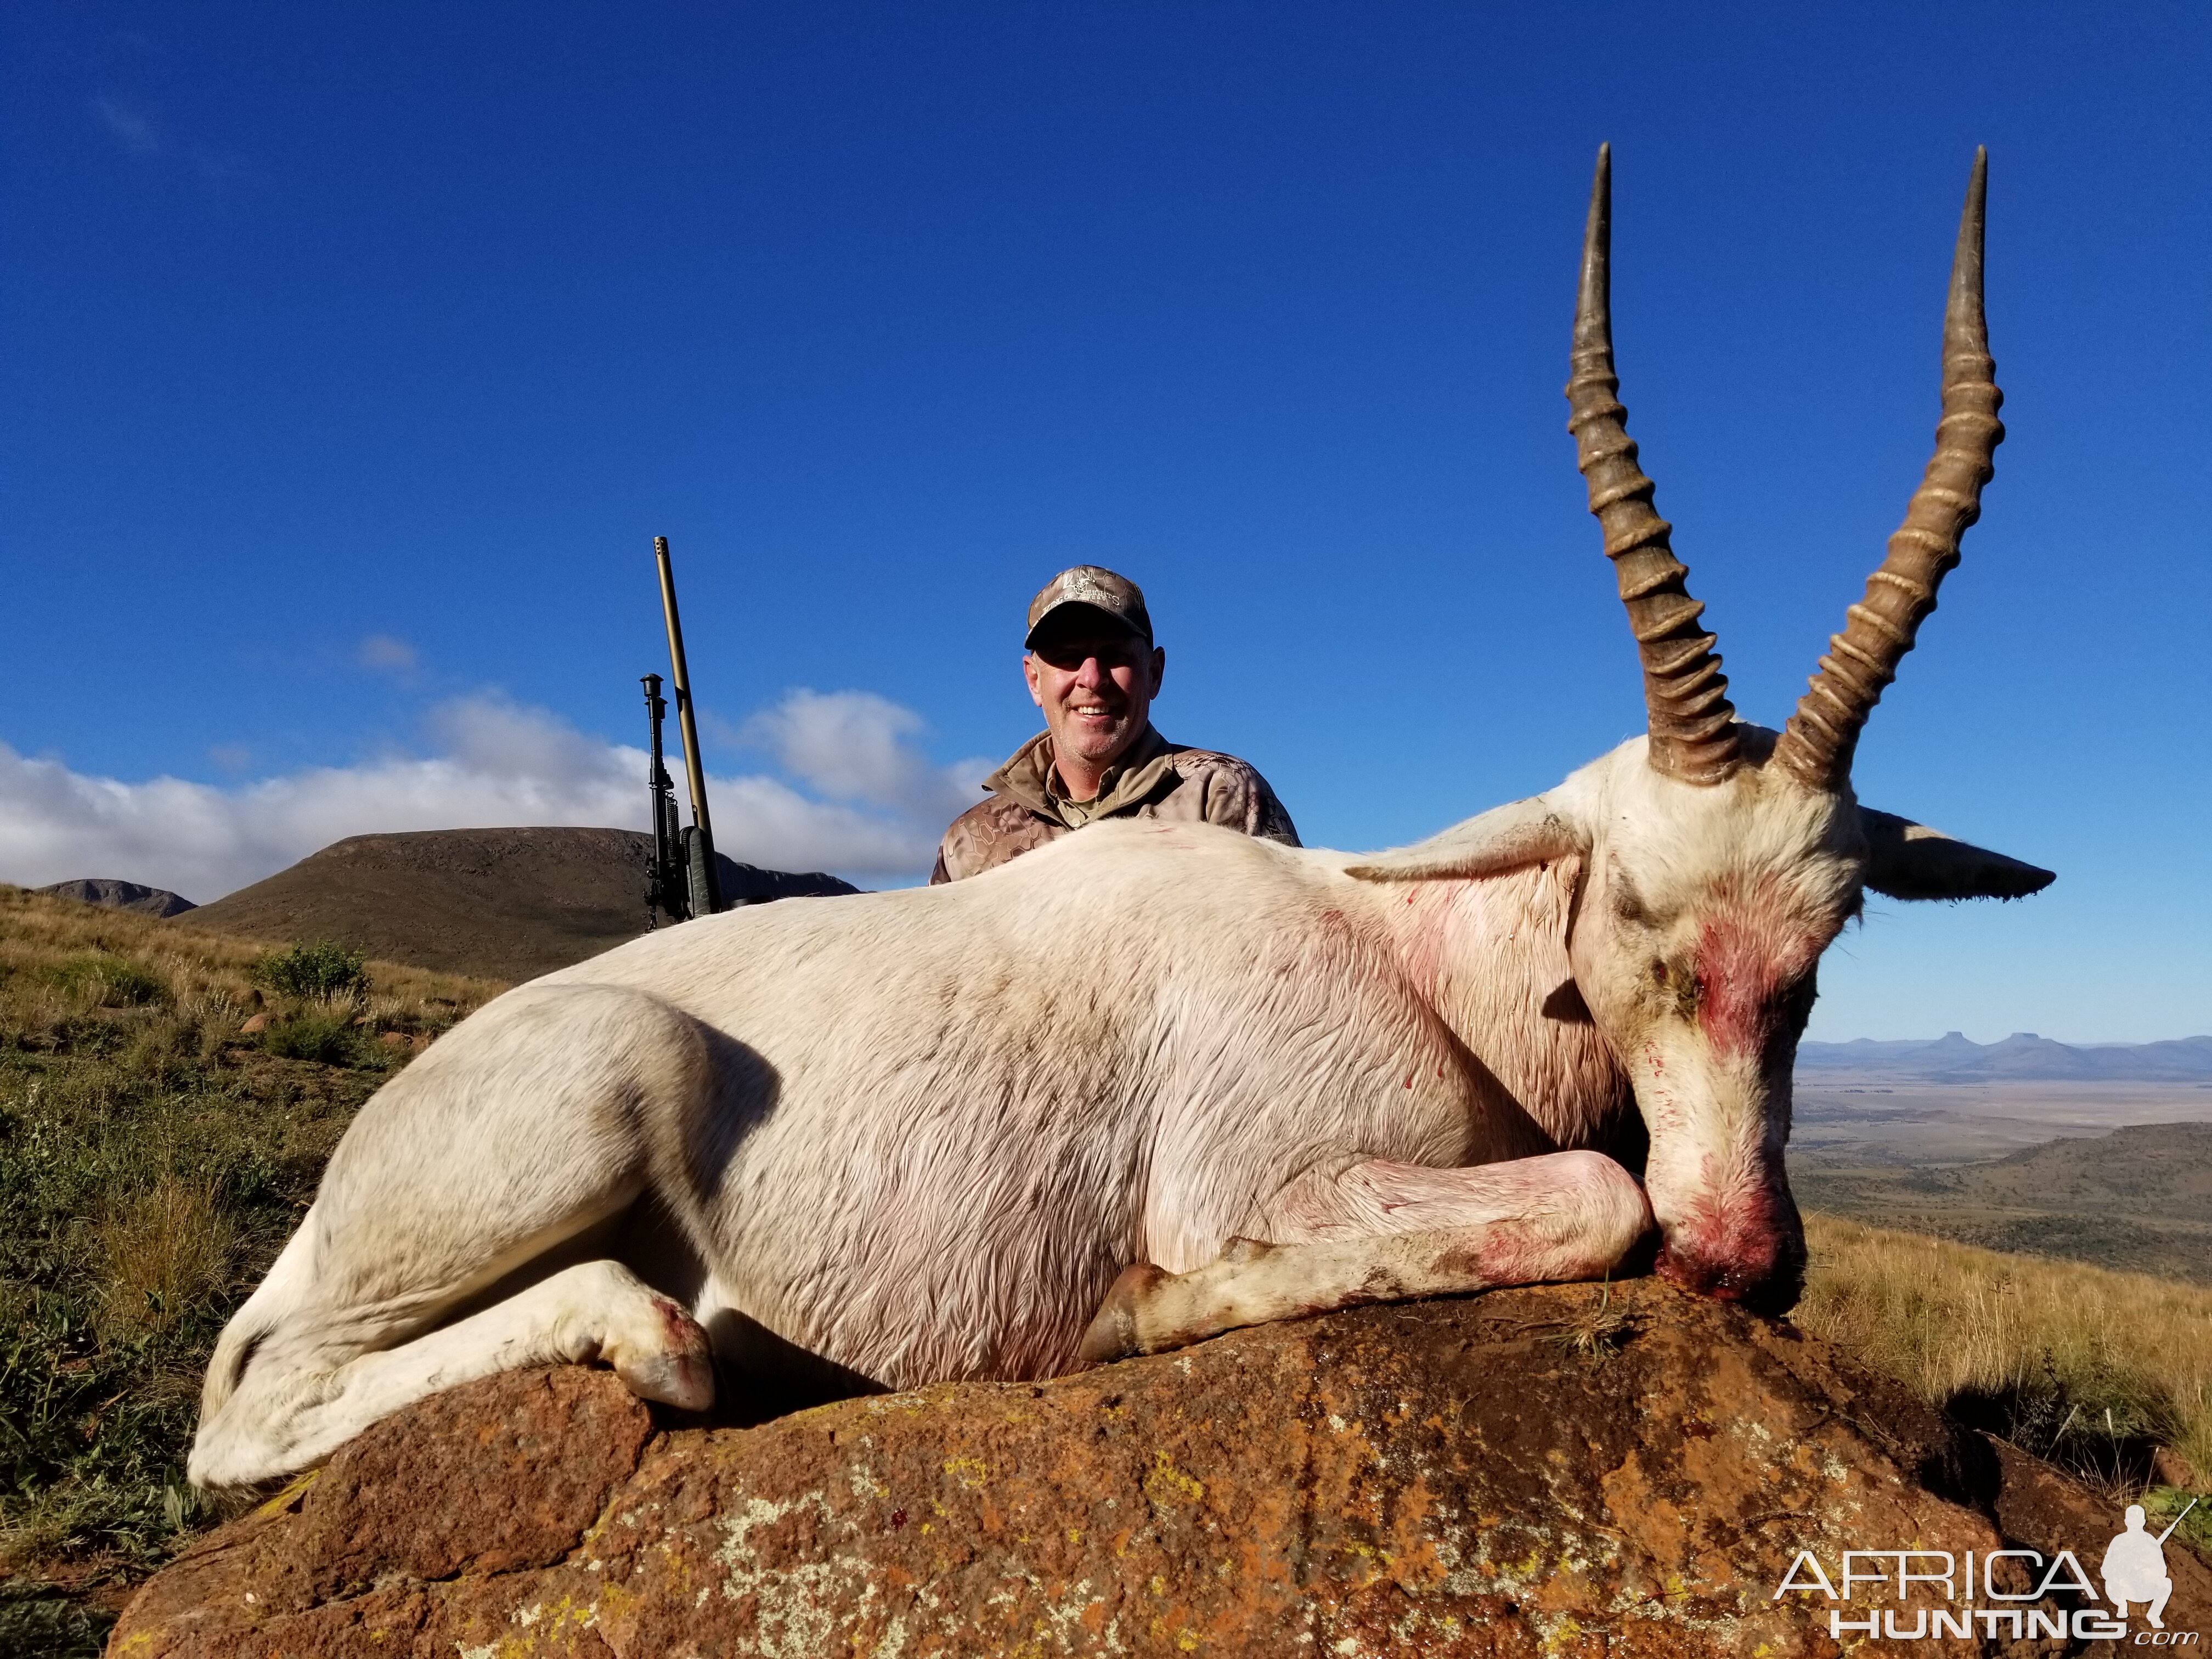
{"type": "Point", "coordinates": [1563, 1470]}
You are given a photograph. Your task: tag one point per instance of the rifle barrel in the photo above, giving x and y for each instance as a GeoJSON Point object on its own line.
{"type": "Point", "coordinates": [693, 772]}
{"type": "Point", "coordinates": [2177, 1520]}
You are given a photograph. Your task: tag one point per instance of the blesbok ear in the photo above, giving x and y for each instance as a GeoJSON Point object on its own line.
{"type": "Point", "coordinates": [1509, 837]}
{"type": "Point", "coordinates": [1909, 860]}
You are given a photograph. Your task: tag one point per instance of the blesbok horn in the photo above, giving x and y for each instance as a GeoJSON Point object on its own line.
{"type": "Point", "coordinates": [1818, 744]}
{"type": "Point", "coordinates": [1691, 721]}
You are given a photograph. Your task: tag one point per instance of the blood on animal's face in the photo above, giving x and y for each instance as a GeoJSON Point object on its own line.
{"type": "Point", "coordinates": [1695, 946]}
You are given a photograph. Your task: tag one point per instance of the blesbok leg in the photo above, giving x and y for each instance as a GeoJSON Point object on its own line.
{"type": "Point", "coordinates": [483, 1167]}
{"type": "Point", "coordinates": [596, 1311]}
{"type": "Point", "coordinates": [1386, 1232]}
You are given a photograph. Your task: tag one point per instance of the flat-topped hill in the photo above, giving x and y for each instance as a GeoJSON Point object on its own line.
{"type": "Point", "coordinates": [507, 905]}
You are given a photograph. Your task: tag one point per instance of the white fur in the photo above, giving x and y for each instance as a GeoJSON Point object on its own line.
{"type": "Point", "coordinates": [917, 1134]}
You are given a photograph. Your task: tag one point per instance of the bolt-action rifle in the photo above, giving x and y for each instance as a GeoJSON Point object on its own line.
{"type": "Point", "coordinates": [684, 882]}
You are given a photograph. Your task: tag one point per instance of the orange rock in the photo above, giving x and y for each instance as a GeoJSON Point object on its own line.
{"type": "Point", "coordinates": [1445, 1479]}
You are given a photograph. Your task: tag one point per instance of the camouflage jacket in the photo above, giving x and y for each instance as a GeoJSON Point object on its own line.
{"type": "Point", "coordinates": [1156, 779]}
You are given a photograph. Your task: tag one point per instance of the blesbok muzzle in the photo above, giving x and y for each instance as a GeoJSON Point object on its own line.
{"type": "Point", "coordinates": [1748, 1246]}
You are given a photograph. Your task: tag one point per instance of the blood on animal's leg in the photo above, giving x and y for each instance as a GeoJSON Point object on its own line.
{"type": "Point", "coordinates": [1387, 1232]}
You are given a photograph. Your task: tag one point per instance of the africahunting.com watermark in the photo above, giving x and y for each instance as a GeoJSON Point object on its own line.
{"type": "Point", "coordinates": [1933, 1594]}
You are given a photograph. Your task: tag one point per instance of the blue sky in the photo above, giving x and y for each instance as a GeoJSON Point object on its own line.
{"type": "Point", "coordinates": [353, 357]}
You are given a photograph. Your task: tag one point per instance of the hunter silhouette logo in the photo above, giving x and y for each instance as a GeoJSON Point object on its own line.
{"type": "Point", "coordinates": [2135, 1567]}
{"type": "Point", "coordinates": [1955, 1593]}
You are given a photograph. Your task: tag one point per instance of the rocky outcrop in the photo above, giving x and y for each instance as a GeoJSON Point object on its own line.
{"type": "Point", "coordinates": [111, 894]}
{"type": "Point", "coordinates": [1554, 1470]}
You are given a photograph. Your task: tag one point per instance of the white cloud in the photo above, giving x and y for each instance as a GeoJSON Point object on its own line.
{"type": "Point", "coordinates": [493, 762]}
{"type": "Point", "coordinates": [855, 745]}
{"type": "Point", "coordinates": [385, 654]}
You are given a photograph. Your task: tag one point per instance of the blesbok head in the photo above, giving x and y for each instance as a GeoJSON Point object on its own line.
{"type": "Point", "coordinates": [1720, 858]}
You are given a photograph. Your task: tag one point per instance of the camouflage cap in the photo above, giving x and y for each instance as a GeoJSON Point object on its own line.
{"type": "Point", "coordinates": [1099, 588]}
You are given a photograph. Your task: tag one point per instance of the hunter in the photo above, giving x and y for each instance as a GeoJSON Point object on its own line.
{"type": "Point", "coordinates": [1093, 669]}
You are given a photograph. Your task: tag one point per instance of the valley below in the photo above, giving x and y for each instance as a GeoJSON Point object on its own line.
{"type": "Point", "coordinates": [2113, 1171]}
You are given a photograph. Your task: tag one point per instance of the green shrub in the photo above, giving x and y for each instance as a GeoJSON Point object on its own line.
{"type": "Point", "coordinates": [112, 979]}
{"type": "Point", "coordinates": [320, 970]}
{"type": "Point", "coordinates": [2172, 1504]}
{"type": "Point", "coordinates": [327, 1039]}
{"type": "Point", "coordinates": [36, 1618]}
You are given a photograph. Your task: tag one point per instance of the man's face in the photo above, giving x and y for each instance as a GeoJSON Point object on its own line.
{"type": "Point", "coordinates": [1095, 683]}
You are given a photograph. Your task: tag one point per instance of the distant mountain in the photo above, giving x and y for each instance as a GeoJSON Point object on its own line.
{"type": "Point", "coordinates": [2022, 1056]}
{"type": "Point", "coordinates": [111, 894]}
{"type": "Point", "coordinates": [507, 905]}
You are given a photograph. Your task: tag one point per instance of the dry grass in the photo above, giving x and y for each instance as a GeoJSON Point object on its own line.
{"type": "Point", "coordinates": [55, 943]}
{"type": "Point", "coordinates": [154, 1157]}
{"type": "Point", "coordinates": [2092, 1369]}
{"type": "Point", "coordinates": [165, 1254]}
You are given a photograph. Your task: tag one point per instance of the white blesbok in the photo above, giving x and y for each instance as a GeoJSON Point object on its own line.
{"type": "Point", "coordinates": [1154, 1080]}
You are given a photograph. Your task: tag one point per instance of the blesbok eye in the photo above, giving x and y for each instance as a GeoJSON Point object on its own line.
{"type": "Point", "coordinates": [1628, 902]}
{"type": "Point", "coordinates": [1798, 998]}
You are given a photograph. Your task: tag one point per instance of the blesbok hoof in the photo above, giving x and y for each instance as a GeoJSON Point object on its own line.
{"type": "Point", "coordinates": [675, 1366]}
{"type": "Point", "coordinates": [1113, 1332]}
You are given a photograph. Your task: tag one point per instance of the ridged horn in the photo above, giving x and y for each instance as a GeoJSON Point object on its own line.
{"type": "Point", "coordinates": [1691, 721]}
{"type": "Point", "coordinates": [1818, 742]}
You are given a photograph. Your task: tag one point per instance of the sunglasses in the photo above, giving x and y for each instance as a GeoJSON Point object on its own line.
{"type": "Point", "coordinates": [1070, 654]}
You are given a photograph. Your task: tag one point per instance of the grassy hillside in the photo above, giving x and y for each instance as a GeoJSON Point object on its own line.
{"type": "Point", "coordinates": [2092, 1370]}
{"type": "Point", "coordinates": [2137, 1200]}
{"type": "Point", "coordinates": [153, 1157]}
